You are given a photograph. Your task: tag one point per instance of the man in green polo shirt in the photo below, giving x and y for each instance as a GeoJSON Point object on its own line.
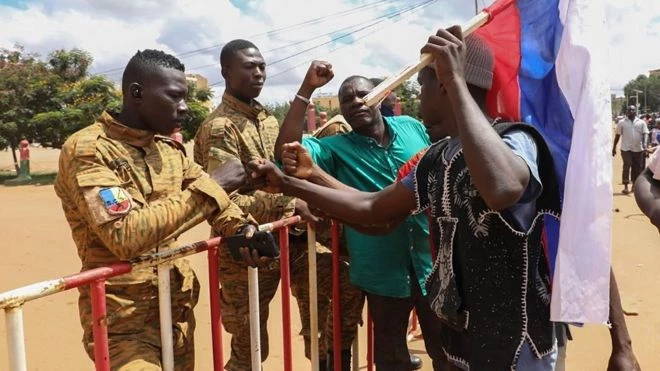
{"type": "Point", "coordinates": [390, 269]}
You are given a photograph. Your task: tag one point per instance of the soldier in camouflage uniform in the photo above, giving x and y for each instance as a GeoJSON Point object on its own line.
{"type": "Point", "coordinates": [240, 129]}
{"type": "Point", "coordinates": [127, 189]}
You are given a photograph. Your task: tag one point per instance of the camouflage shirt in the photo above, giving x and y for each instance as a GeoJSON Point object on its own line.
{"type": "Point", "coordinates": [336, 125]}
{"type": "Point", "coordinates": [127, 192]}
{"type": "Point", "coordinates": [237, 130]}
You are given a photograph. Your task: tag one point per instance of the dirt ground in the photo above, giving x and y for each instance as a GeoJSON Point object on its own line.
{"type": "Point", "coordinates": [36, 245]}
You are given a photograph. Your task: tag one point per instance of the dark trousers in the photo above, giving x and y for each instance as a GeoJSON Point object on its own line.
{"type": "Point", "coordinates": [390, 316]}
{"type": "Point", "coordinates": [633, 164]}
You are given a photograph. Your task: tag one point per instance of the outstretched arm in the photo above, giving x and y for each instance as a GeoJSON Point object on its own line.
{"type": "Point", "coordinates": [318, 74]}
{"type": "Point", "coordinates": [297, 162]}
{"type": "Point", "coordinates": [353, 206]}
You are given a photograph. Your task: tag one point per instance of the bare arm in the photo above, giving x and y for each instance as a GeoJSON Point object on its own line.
{"type": "Point", "coordinates": [318, 74]}
{"type": "Point", "coordinates": [647, 195]}
{"type": "Point", "coordinates": [500, 176]}
{"type": "Point", "coordinates": [392, 203]}
{"type": "Point", "coordinates": [616, 141]}
{"type": "Point", "coordinates": [622, 357]}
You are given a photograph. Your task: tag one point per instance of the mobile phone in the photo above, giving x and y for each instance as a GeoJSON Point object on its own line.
{"type": "Point", "coordinates": [263, 242]}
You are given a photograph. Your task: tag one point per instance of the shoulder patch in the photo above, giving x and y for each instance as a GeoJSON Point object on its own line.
{"type": "Point", "coordinates": [85, 141]}
{"type": "Point", "coordinates": [116, 200]}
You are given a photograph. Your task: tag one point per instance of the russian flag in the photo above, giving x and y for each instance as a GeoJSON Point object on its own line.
{"type": "Point", "coordinates": [550, 72]}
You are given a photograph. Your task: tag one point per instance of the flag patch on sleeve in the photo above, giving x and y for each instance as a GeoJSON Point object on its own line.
{"type": "Point", "coordinates": [116, 200]}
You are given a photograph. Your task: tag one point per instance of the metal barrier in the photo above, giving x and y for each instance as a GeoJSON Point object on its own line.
{"type": "Point", "coordinates": [12, 302]}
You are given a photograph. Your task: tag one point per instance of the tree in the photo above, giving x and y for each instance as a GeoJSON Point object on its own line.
{"type": "Point", "coordinates": [648, 92]}
{"type": "Point", "coordinates": [408, 92]}
{"type": "Point", "coordinates": [199, 104]}
{"type": "Point", "coordinates": [45, 102]}
{"type": "Point", "coordinates": [26, 87]}
{"type": "Point", "coordinates": [278, 110]}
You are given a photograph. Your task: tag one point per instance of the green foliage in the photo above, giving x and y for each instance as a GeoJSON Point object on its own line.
{"type": "Point", "coordinates": [70, 65]}
{"type": "Point", "coordinates": [45, 102]}
{"type": "Point", "coordinates": [649, 95]}
{"type": "Point", "coordinates": [408, 92]}
{"type": "Point", "coordinates": [278, 110]}
{"type": "Point", "coordinates": [199, 103]}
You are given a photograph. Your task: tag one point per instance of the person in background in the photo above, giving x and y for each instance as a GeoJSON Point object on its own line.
{"type": "Point", "coordinates": [633, 133]}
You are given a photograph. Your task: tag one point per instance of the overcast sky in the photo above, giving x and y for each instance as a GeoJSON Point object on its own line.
{"type": "Point", "coordinates": [366, 37]}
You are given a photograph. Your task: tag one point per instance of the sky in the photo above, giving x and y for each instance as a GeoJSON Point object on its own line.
{"type": "Point", "coordinates": [363, 37]}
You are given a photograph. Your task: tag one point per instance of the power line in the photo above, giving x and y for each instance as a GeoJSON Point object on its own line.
{"type": "Point", "coordinates": [317, 20]}
{"type": "Point", "coordinates": [299, 42]}
{"type": "Point", "coordinates": [349, 34]}
{"type": "Point", "coordinates": [402, 12]}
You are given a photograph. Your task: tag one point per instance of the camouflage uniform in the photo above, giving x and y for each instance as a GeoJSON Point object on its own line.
{"type": "Point", "coordinates": [128, 192]}
{"type": "Point", "coordinates": [236, 130]}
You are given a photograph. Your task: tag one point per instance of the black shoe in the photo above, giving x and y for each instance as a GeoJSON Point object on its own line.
{"type": "Point", "coordinates": [415, 362]}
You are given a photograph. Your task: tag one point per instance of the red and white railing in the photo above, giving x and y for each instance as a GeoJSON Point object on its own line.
{"type": "Point", "coordinates": [12, 302]}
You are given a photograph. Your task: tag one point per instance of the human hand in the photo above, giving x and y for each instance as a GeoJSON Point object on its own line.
{"type": "Point", "coordinates": [297, 161]}
{"type": "Point", "coordinates": [318, 74]}
{"type": "Point", "coordinates": [448, 51]}
{"type": "Point", "coordinates": [302, 209]}
{"type": "Point", "coordinates": [623, 360]}
{"type": "Point", "coordinates": [251, 256]}
{"type": "Point", "coordinates": [267, 175]}
{"type": "Point", "coordinates": [613, 152]}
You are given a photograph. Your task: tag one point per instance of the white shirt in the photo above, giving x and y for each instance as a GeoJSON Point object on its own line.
{"type": "Point", "coordinates": [632, 134]}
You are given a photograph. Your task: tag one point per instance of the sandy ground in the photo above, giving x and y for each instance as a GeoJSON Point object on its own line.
{"type": "Point", "coordinates": [36, 245]}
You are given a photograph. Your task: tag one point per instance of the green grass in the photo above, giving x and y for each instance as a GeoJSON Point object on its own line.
{"type": "Point", "coordinates": [38, 178]}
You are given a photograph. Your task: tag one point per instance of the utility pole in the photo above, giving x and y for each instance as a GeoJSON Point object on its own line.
{"type": "Point", "coordinates": [637, 98]}
{"type": "Point", "coordinates": [476, 7]}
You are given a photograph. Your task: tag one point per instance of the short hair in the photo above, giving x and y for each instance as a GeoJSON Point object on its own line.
{"type": "Point", "coordinates": [353, 78]}
{"type": "Point", "coordinates": [231, 48]}
{"type": "Point", "coordinates": [145, 62]}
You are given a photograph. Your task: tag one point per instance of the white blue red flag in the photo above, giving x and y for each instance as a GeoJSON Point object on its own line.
{"type": "Point", "coordinates": [550, 71]}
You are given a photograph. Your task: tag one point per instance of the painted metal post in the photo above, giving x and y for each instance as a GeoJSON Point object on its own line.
{"type": "Point", "coordinates": [313, 296]}
{"type": "Point", "coordinates": [336, 308]}
{"type": "Point", "coordinates": [370, 340]}
{"type": "Point", "coordinates": [165, 309]}
{"type": "Point", "coordinates": [412, 331]}
{"type": "Point", "coordinates": [311, 118]}
{"type": "Point", "coordinates": [100, 325]}
{"type": "Point", "coordinates": [397, 107]}
{"type": "Point", "coordinates": [356, 353]}
{"type": "Point", "coordinates": [216, 320]}
{"type": "Point", "coordinates": [255, 331]}
{"type": "Point", "coordinates": [15, 338]}
{"type": "Point", "coordinates": [286, 298]}
{"type": "Point", "coordinates": [323, 118]}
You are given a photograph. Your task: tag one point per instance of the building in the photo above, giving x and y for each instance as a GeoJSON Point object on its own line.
{"type": "Point", "coordinates": [326, 101]}
{"type": "Point", "coordinates": [200, 81]}
{"type": "Point", "coordinates": [655, 72]}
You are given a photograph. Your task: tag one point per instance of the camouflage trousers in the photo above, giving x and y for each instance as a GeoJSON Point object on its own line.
{"type": "Point", "coordinates": [134, 325]}
{"type": "Point", "coordinates": [235, 304]}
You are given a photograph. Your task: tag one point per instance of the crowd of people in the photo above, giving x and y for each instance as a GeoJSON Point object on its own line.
{"type": "Point", "coordinates": [444, 216]}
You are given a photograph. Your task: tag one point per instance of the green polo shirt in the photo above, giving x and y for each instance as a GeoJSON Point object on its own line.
{"type": "Point", "coordinates": [379, 264]}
